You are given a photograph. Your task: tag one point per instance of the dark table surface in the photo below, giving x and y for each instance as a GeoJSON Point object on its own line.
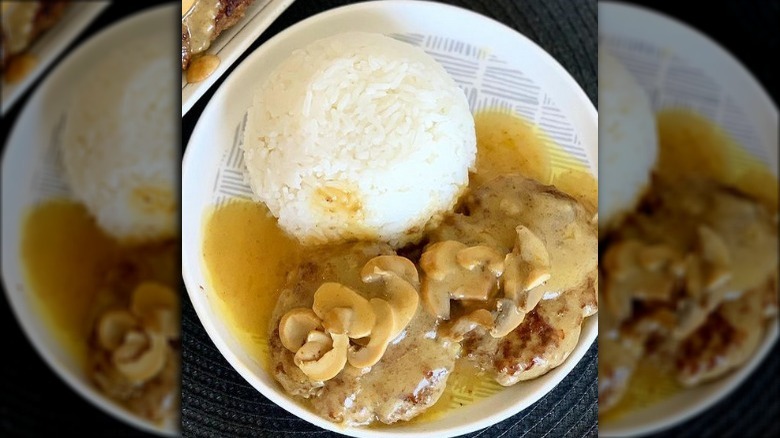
{"type": "Point", "coordinates": [217, 401]}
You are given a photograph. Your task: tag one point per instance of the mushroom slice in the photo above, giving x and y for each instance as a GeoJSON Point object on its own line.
{"type": "Point", "coordinates": [332, 295]}
{"type": "Point", "coordinates": [381, 335]}
{"type": "Point", "coordinates": [164, 321]}
{"type": "Point", "coordinates": [113, 326]}
{"type": "Point", "coordinates": [144, 366]}
{"type": "Point", "coordinates": [464, 324]}
{"type": "Point", "coordinates": [715, 254]}
{"type": "Point", "coordinates": [380, 266]}
{"type": "Point", "coordinates": [396, 273]}
{"type": "Point", "coordinates": [295, 325]}
{"type": "Point", "coordinates": [454, 271]}
{"type": "Point", "coordinates": [438, 260]}
{"type": "Point", "coordinates": [527, 266]}
{"type": "Point", "coordinates": [507, 318]}
{"type": "Point", "coordinates": [314, 349]}
{"type": "Point", "coordinates": [404, 300]}
{"type": "Point", "coordinates": [484, 261]}
{"type": "Point", "coordinates": [338, 320]}
{"type": "Point", "coordinates": [323, 361]}
{"type": "Point", "coordinates": [319, 336]}
{"type": "Point", "coordinates": [635, 270]}
{"type": "Point", "coordinates": [133, 343]}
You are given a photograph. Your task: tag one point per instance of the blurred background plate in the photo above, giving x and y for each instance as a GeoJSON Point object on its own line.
{"type": "Point", "coordinates": [678, 66]}
{"type": "Point", "coordinates": [231, 43]}
{"type": "Point", "coordinates": [50, 45]}
{"type": "Point", "coordinates": [32, 173]}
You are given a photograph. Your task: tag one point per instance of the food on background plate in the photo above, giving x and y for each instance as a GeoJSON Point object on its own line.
{"type": "Point", "coordinates": [408, 254]}
{"type": "Point", "coordinates": [688, 275]}
{"type": "Point", "coordinates": [22, 23]}
{"type": "Point", "coordinates": [202, 21]}
{"type": "Point", "coordinates": [103, 261]}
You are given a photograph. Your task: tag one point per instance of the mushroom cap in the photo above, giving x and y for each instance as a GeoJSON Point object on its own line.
{"type": "Point", "coordinates": [507, 318]}
{"type": "Point", "coordinates": [438, 262]}
{"type": "Point", "coordinates": [454, 271]}
{"type": "Point", "coordinates": [332, 295]}
{"type": "Point", "coordinates": [400, 279]}
{"type": "Point", "coordinates": [319, 336]}
{"type": "Point", "coordinates": [320, 361]}
{"type": "Point", "coordinates": [147, 362]}
{"type": "Point", "coordinates": [295, 325]}
{"type": "Point", "coordinates": [381, 335]}
{"type": "Point", "coordinates": [481, 256]}
{"type": "Point", "coordinates": [384, 265]}
{"type": "Point", "coordinates": [716, 257]}
{"type": "Point", "coordinates": [437, 259]}
{"type": "Point", "coordinates": [113, 326]}
{"type": "Point", "coordinates": [338, 320]}
{"type": "Point", "coordinates": [527, 266]}
{"type": "Point", "coordinates": [484, 265]}
{"type": "Point", "coordinates": [164, 321]}
{"type": "Point", "coordinates": [133, 343]}
{"type": "Point", "coordinates": [404, 300]}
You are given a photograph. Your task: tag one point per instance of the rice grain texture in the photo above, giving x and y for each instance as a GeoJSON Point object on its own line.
{"type": "Point", "coordinates": [359, 136]}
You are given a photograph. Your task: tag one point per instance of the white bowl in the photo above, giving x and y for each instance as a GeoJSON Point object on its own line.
{"type": "Point", "coordinates": [679, 67]}
{"type": "Point", "coordinates": [540, 89]}
{"type": "Point", "coordinates": [32, 173]}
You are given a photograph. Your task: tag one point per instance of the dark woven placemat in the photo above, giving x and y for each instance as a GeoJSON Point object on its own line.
{"type": "Point", "coordinates": [217, 401]}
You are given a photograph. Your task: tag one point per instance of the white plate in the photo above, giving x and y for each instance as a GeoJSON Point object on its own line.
{"type": "Point", "coordinates": [679, 67]}
{"type": "Point", "coordinates": [32, 173]}
{"type": "Point", "coordinates": [495, 65]}
{"type": "Point", "coordinates": [50, 45]}
{"type": "Point", "coordinates": [231, 44]}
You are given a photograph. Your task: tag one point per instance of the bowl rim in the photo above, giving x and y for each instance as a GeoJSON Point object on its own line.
{"type": "Point", "coordinates": [200, 300]}
{"type": "Point", "coordinates": [24, 308]}
{"type": "Point", "coordinates": [663, 24]}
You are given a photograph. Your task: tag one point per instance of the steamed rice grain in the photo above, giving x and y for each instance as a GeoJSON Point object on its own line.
{"type": "Point", "coordinates": [359, 136]}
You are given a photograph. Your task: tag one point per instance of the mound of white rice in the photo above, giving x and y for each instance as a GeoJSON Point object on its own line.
{"type": "Point", "coordinates": [359, 136]}
{"type": "Point", "coordinates": [119, 147]}
{"type": "Point", "coordinates": [628, 141]}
